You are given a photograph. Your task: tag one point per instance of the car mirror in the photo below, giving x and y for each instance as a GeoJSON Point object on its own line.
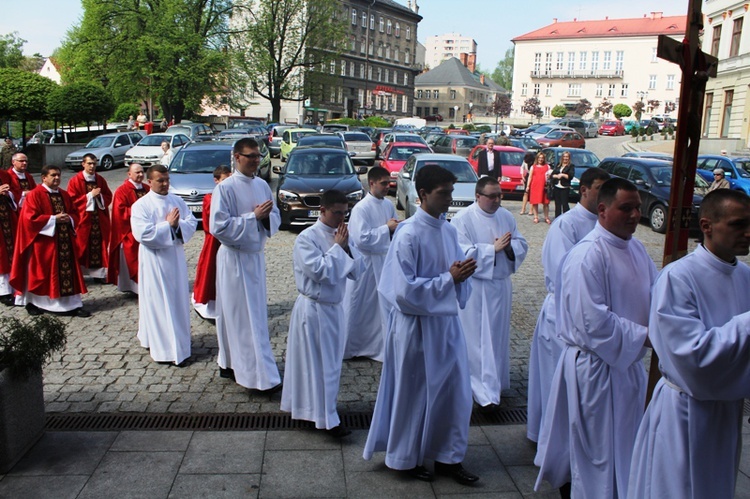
{"type": "Point", "coordinates": [640, 182]}
{"type": "Point", "coordinates": [728, 174]}
{"type": "Point", "coordinates": [361, 170]}
{"type": "Point", "coordinates": [405, 174]}
{"type": "Point", "coordinates": [277, 169]}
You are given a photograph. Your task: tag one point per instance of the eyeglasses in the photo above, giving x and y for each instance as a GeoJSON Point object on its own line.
{"type": "Point", "coordinates": [494, 197]}
{"type": "Point", "coordinates": [718, 174]}
{"type": "Point", "coordinates": [249, 156]}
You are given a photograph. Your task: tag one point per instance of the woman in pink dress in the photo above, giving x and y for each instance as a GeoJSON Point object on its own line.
{"type": "Point", "coordinates": [536, 187]}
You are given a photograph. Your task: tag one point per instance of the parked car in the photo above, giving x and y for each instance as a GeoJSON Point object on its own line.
{"type": "Point", "coordinates": [361, 145]}
{"type": "Point", "coordinates": [511, 158]}
{"type": "Point", "coordinates": [649, 125]}
{"type": "Point", "coordinates": [109, 150]}
{"type": "Point", "coordinates": [630, 124]}
{"type": "Point", "coordinates": [649, 155]}
{"type": "Point", "coordinates": [397, 153]}
{"type": "Point", "coordinates": [243, 123]}
{"type": "Point", "coordinates": [736, 170]}
{"type": "Point", "coordinates": [148, 151]}
{"type": "Point", "coordinates": [592, 130]}
{"type": "Point", "coordinates": [274, 138]}
{"type": "Point", "coordinates": [653, 178]}
{"type": "Point", "coordinates": [576, 124]}
{"type": "Point", "coordinates": [457, 131]}
{"type": "Point", "coordinates": [455, 144]}
{"type": "Point", "coordinates": [582, 159]}
{"type": "Point", "coordinates": [198, 132]}
{"type": "Point", "coordinates": [525, 131]}
{"type": "Point", "coordinates": [289, 140]}
{"type": "Point", "coordinates": [562, 138]}
{"type": "Point", "coordinates": [399, 137]}
{"type": "Point", "coordinates": [433, 117]}
{"type": "Point", "coordinates": [463, 189]}
{"type": "Point", "coordinates": [377, 137]}
{"type": "Point", "coordinates": [526, 143]}
{"type": "Point", "coordinates": [426, 130]}
{"type": "Point", "coordinates": [612, 127]}
{"type": "Point", "coordinates": [307, 174]}
{"type": "Point", "coordinates": [334, 128]}
{"type": "Point", "coordinates": [545, 129]}
{"type": "Point", "coordinates": [432, 137]}
{"type": "Point", "coordinates": [322, 140]}
{"type": "Point", "coordinates": [191, 171]}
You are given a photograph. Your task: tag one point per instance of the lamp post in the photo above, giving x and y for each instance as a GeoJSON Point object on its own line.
{"type": "Point", "coordinates": [455, 113]}
{"type": "Point", "coordinates": [471, 116]}
{"type": "Point", "coordinates": [641, 95]}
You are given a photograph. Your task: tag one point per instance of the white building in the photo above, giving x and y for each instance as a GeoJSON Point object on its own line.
{"type": "Point", "coordinates": [613, 59]}
{"type": "Point", "coordinates": [50, 70]}
{"type": "Point", "coordinates": [440, 48]}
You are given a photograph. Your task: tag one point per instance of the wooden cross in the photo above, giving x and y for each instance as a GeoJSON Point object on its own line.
{"type": "Point", "coordinates": [696, 67]}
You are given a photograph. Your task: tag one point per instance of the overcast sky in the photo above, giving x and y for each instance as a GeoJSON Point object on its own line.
{"type": "Point", "coordinates": [492, 23]}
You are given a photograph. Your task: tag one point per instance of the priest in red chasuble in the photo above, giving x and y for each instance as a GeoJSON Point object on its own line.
{"type": "Point", "coordinates": [8, 215]}
{"type": "Point", "coordinates": [21, 181]}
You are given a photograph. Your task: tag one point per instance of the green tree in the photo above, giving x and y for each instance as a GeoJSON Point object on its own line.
{"type": "Point", "coordinates": [168, 51]}
{"type": "Point", "coordinates": [23, 96]}
{"type": "Point", "coordinates": [559, 111]}
{"type": "Point", "coordinates": [125, 111]}
{"type": "Point", "coordinates": [621, 111]}
{"type": "Point", "coordinates": [503, 74]}
{"type": "Point", "coordinates": [285, 50]}
{"type": "Point", "coordinates": [11, 53]}
{"type": "Point", "coordinates": [80, 102]}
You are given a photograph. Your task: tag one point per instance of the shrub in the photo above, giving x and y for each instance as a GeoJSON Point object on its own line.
{"type": "Point", "coordinates": [25, 347]}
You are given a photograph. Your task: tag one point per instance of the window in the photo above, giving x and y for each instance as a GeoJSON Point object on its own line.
{"type": "Point", "coordinates": [547, 63]}
{"type": "Point", "coordinates": [380, 51]}
{"type": "Point", "coordinates": [436, 94]}
{"type": "Point", "coordinates": [408, 32]}
{"type": "Point", "coordinates": [387, 75]}
{"type": "Point", "coordinates": [537, 62]}
{"type": "Point", "coordinates": [398, 30]}
{"type": "Point", "coordinates": [407, 57]}
{"type": "Point", "coordinates": [582, 61]}
{"type": "Point", "coordinates": [548, 92]}
{"type": "Point", "coordinates": [354, 17]}
{"type": "Point", "coordinates": [611, 91]}
{"type": "Point", "coordinates": [594, 62]}
{"type": "Point", "coordinates": [362, 47]}
{"type": "Point", "coordinates": [353, 44]}
{"type": "Point", "coordinates": [419, 94]}
{"type": "Point", "coordinates": [670, 82]}
{"type": "Point", "coordinates": [418, 111]}
{"type": "Point", "coordinates": [546, 110]}
{"type": "Point", "coordinates": [343, 68]}
{"type": "Point", "coordinates": [619, 59]}
{"type": "Point", "coordinates": [734, 49]}
{"type": "Point", "coordinates": [453, 95]}
{"type": "Point", "coordinates": [372, 21]}
{"type": "Point", "coordinates": [727, 115]}
{"type": "Point", "coordinates": [524, 89]}
{"type": "Point", "coordinates": [574, 89]}
{"type": "Point", "coordinates": [654, 57]}
{"type": "Point", "coordinates": [362, 71]}
{"type": "Point", "coordinates": [607, 61]}
{"type": "Point", "coordinates": [406, 79]}
{"type": "Point", "coordinates": [428, 94]}
{"type": "Point", "coordinates": [371, 49]}
{"type": "Point", "coordinates": [559, 64]}
{"type": "Point", "coordinates": [571, 62]}
{"type": "Point", "coordinates": [333, 67]}
{"type": "Point", "coordinates": [599, 91]}
{"type": "Point", "coordinates": [380, 74]}
{"type": "Point", "coordinates": [404, 104]}
{"type": "Point", "coordinates": [652, 82]}
{"type": "Point", "coordinates": [369, 73]}
{"type": "Point", "coordinates": [536, 89]}
{"type": "Point", "coordinates": [395, 55]}
{"type": "Point", "coordinates": [389, 27]}
{"type": "Point", "coordinates": [715, 41]}
{"type": "Point", "coordinates": [364, 19]}
{"type": "Point", "coordinates": [624, 90]}
{"type": "Point", "coordinates": [382, 24]}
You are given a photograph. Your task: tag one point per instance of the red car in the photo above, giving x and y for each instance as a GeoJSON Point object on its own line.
{"type": "Point", "coordinates": [456, 131]}
{"type": "Point", "coordinates": [396, 154]}
{"type": "Point", "coordinates": [612, 127]}
{"type": "Point", "coordinates": [562, 138]}
{"type": "Point", "coordinates": [510, 159]}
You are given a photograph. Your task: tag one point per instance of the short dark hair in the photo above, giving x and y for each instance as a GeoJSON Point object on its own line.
{"type": "Point", "coordinates": [376, 173]}
{"type": "Point", "coordinates": [88, 155]}
{"type": "Point", "coordinates": [247, 142]}
{"type": "Point", "coordinates": [431, 176]}
{"type": "Point", "coordinates": [47, 168]}
{"type": "Point", "coordinates": [484, 182]}
{"type": "Point", "coordinates": [156, 169]}
{"type": "Point", "coordinates": [332, 197]}
{"type": "Point", "coordinates": [221, 170]}
{"type": "Point", "coordinates": [591, 175]}
{"type": "Point", "coordinates": [608, 190]}
{"type": "Point", "coordinates": [714, 204]}
{"type": "Point", "coordinates": [529, 158]}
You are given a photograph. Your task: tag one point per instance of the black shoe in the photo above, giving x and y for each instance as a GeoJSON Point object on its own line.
{"type": "Point", "coordinates": [457, 472]}
{"type": "Point", "coordinates": [421, 473]}
{"type": "Point", "coordinates": [80, 312]}
{"type": "Point", "coordinates": [32, 309]}
{"type": "Point", "coordinates": [184, 363]}
{"type": "Point", "coordinates": [270, 391]}
{"type": "Point", "coordinates": [339, 431]}
{"type": "Point", "coordinates": [8, 300]}
{"type": "Point", "coordinates": [226, 373]}
{"type": "Point", "coordinates": [489, 409]}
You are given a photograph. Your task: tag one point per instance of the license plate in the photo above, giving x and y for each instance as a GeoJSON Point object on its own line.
{"type": "Point", "coordinates": [196, 209]}
{"type": "Point", "coordinates": [519, 187]}
{"type": "Point", "coordinates": [449, 215]}
{"type": "Point", "coordinates": [313, 213]}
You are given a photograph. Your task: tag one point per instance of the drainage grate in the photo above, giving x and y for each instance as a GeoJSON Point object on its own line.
{"type": "Point", "coordinates": [227, 422]}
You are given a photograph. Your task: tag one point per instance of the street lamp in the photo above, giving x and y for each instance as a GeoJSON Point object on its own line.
{"type": "Point", "coordinates": [641, 95]}
{"type": "Point", "coordinates": [471, 117]}
{"type": "Point", "coordinates": [455, 113]}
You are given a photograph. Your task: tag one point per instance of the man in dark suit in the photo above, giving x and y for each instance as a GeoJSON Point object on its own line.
{"type": "Point", "coordinates": [488, 162]}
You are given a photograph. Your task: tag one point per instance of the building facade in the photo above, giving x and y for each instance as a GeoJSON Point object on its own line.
{"type": "Point", "coordinates": [440, 48]}
{"type": "Point", "coordinates": [612, 59]}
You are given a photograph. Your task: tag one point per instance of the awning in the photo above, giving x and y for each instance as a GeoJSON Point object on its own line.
{"type": "Point", "coordinates": [318, 109]}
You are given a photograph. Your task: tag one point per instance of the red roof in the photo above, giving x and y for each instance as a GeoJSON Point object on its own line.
{"type": "Point", "coordinates": [643, 26]}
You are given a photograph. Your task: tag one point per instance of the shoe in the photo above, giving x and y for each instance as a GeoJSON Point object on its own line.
{"type": "Point", "coordinates": [226, 373]}
{"type": "Point", "coordinates": [548, 221]}
{"type": "Point", "coordinates": [272, 390]}
{"type": "Point", "coordinates": [184, 363]}
{"type": "Point", "coordinates": [80, 312]}
{"type": "Point", "coordinates": [33, 310]}
{"type": "Point", "coordinates": [8, 300]}
{"type": "Point", "coordinates": [339, 431]}
{"type": "Point", "coordinates": [421, 473]}
{"type": "Point", "coordinates": [456, 472]}
{"type": "Point", "coordinates": [489, 409]}
{"type": "Point", "coordinates": [536, 220]}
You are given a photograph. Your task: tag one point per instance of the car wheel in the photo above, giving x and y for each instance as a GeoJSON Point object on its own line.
{"type": "Point", "coordinates": [658, 218]}
{"type": "Point", "coordinates": [107, 163]}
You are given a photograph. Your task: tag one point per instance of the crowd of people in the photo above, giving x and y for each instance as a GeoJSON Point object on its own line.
{"type": "Point", "coordinates": [431, 300]}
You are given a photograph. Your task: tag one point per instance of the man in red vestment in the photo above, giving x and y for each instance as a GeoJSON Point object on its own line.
{"type": "Point", "coordinates": [204, 289]}
{"type": "Point", "coordinates": [7, 235]}
{"type": "Point", "coordinates": [45, 269]}
{"type": "Point", "coordinates": [21, 181]}
{"type": "Point", "coordinates": [91, 196]}
{"type": "Point", "coordinates": [123, 248]}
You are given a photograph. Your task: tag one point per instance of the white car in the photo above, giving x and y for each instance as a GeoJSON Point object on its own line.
{"type": "Point", "coordinates": [148, 151]}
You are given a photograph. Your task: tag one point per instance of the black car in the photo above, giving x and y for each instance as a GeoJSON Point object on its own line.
{"type": "Point", "coordinates": [653, 178]}
{"type": "Point", "coordinates": [308, 173]}
{"type": "Point", "coordinates": [526, 143]}
{"type": "Point", "coordinates": [582, 159]}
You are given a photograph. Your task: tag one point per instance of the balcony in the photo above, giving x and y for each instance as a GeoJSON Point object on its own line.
{"type": "Point", "coordinates": [579, 73]}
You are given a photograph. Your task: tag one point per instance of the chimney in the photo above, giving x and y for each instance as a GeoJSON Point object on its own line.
{"type": "Point", "coordinates": [462, 57]}
{"type": "Point", "coordinates": [416, 7]}
{"type": "Point", "coordinates": [481, 78]}
{"type": "Point", "coordinates": [656, 15]}
{"type": "Point", "coordinates": [471, 62]}
{"type": "Point", "coordinates": [554, 20]}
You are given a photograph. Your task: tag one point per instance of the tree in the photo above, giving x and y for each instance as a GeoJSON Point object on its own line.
{"type": "Point", "coordinates": [501, 107]}
{"type": "Point", "coordinates": [23, 96]}
{"type": "Point", "coordinates": [532, 106]}
{"type": "Point", "coordinates": [653, 105]}
{"type": "Point", "coordinates": [80, 102]}
{"type": "Point", "coordinates": [289, 50]}
{"type": "Point", "coordinates": [638, 108]}
{"type": "Point", "coordinates": [605, 107]}
{"type": "Point", "coordinates": [559, 111]}
{"type": "Point", "coordinates": [503, 74]}
{"type": "Point", "coordinates": [622, 111]}
{"type": "Point", "coordinates": [11, 55]}
{"type": "Point", "coordinates": [583, 107]}
{"type": "Point", "coordinates": [171, 51]}
{"type": "Point", "coordinates": [125, 111]}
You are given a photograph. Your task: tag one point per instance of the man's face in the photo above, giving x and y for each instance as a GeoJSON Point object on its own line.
{"type": "Point", "coordinates": [438, 201]}
{"type": "Point", "coordinates": [89, 165]}
{"type": "Point", "coordinates": [621, 217]}
{"type": "Point", "coordinates": [589, 195]}
{"type": "Point", "coordinates": [8, 142]}
{"type": "Point", "coordinates": [247, 160]}
{"type": "Point", "coordinates": [52, 179]}
{"type": "Point", "coordinates": [490, 144]}
{"type": "Point", "coordinates": [20, 163]}
{"type": "Point", "coordinates": [718, 176]}
{"type": "Point", "coordinates": [160, 183]}
{"type": "Point", "coordinates": [333, 215]}
{"type": "Point", "coordinates": [490, 197]}
{"type": "Point", "coordinates": [729, 235]}
{"type": "Point", "coordinates": [135, 173]}
{"type": "Point", "coordinates": [379, 187]}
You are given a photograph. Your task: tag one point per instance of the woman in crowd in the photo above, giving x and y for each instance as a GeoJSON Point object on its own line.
{"type": "Point", "coordinates": [561, 176]}
{"type": "Point", "coordinates": [528, 160]}
{"type": "Point", "coordinates": [536, 187]}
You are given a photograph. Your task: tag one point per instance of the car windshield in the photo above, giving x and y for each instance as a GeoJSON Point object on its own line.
{"type": "Point", "coordinates": [200, 160]}
{"type": "Point", "coordinates": [543, 129]}
{"type": "Point", "coordinates": [610, 123]}
{"type": "Point", "coordinates": [330, 141]}
{"type": "Point", "coordinates": [663, 174]}
{"type": "Point", "coordinates": [743, 167]}
{"type": "Point", "coordinates": [181, 129]}
{"type": "Point", "coordinates": [554, 135]}
{"type": "Point", "coordinates": [154, 140]}
{"type": "Point", "coordinates": [466, 143]}
{"type": "Point", "coordinates": [511, 158]}
{"type": "Point", "coordinates": [319, 164]}
{"type": "Point", "coordinates": [583, 158]}
{"type": "Point", "coordinates": [461, 169]}
{"type": "Point", "coordinates": [297, 135]}
{"type": "Point", "coordinates": [100, 142]}
{"type": "Point", "coordinates": [356, 137]}
{"type": "Point", "coordinates": [402, 153]}
{"type": "Point", "coordinates": [530, 143]}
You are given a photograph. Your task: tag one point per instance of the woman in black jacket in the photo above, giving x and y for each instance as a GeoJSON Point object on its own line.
{"type": "Point", "coordinates": [561, 176]}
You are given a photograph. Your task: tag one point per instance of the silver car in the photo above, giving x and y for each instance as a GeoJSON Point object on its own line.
{"type": "Point", "coordinates": [191, 171]}
{"type": "Point", "coordinates": [360, 144]}
{"type": "Point", "coordinates": [463, 189]}
{"type": "Point", "coordinates": [592, 130]}
{"type": "Point", "coordinates": [109, 150]}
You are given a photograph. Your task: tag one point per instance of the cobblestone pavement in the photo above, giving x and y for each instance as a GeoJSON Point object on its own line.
{"type": "Point", "coordinates": [104, 369]}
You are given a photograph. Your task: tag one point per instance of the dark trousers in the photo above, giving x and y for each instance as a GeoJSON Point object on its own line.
{"type": "Point", "coordinates": [561, 200]}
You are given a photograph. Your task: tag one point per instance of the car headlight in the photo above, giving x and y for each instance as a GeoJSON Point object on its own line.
{"type": "Point", "coordinates": [152, 157]}
{"type": "Point", "coordinates": [355, 196]}
{"type": "Point", "coordinates": [287, 196]}
{"type": "Point", "coordinates": [504, 179]}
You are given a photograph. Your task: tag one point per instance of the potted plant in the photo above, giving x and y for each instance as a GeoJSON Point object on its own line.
{"type": "Point", "coordinates": [25, 347]}
{"type": "Point", "coordinates": [635, 132]}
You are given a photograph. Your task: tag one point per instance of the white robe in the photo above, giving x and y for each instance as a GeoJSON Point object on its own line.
{"type": "Point", "coordinates": [423, 405]}
{"type": "Point", "coordinates": [164, 298]}
{"type": "Point", "coordinates": [689, 441]}
{"type": "Point", "coordinates": [368, 232]}
{"type": "Point", "coordinates": [598, 391]}
{"type": "Point", "coordinates": [315, 345]}
{"type": "Point", "coordinates": [486, 317]}
{"type": "Point", "coordinates": [565, 232]}
{"type": "Point", "coordinates": [241, 302]}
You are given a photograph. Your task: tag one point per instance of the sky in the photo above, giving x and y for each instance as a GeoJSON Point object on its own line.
{"type": "Point", "coordinates": [492, 23]}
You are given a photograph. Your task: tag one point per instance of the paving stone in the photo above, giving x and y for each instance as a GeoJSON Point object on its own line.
{"type": "Point", "coordinates": [59, 487]}
{"type": "Point", "coordinates": [308, 473]}
{"type": "Point", "coordinates": [224, 452]}
{"type": "Point", "coordinates": [65, 453]}
{"type": "Point", "coordinates": [215, 486]}
{"type": "Point", "coordinates": [133, 475]}
{"type": "Point", "coordinates": [151, 441]}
